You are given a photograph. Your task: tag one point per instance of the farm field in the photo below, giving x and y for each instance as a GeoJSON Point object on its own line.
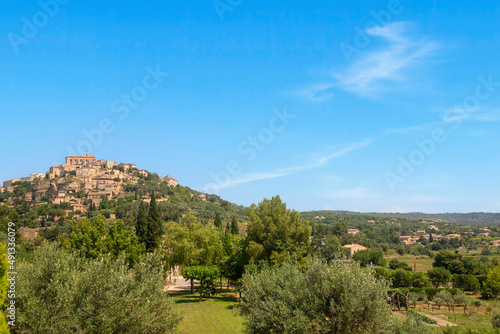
{"type": "Point", "coordinates": [423, 263]}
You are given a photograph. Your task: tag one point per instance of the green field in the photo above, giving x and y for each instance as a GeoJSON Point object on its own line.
{"type": "Point", "coordinates": [423, 263]}
{"type": "Point", "coordinates": [218, 314]}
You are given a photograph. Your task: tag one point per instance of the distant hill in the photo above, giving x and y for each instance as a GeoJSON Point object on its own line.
{"type": "Point", "coordinates": [473, 218]}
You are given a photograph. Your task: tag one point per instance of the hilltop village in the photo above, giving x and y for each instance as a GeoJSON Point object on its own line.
{"type": "Point", "coordinates": [81, 181]}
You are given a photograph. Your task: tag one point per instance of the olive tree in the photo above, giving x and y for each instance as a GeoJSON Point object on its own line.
{"type": "Point", "coordinates": [326, 297]}
{"type": "Point", "coordinates": [62, 292]}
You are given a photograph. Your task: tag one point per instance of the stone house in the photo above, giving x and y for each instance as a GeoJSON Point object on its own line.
{"type": "Point", "coordinates": [352, 231]}
{"type": "Point", "coordinates": [352, 249]}
{"type": "Point", "coordinates": [170, 181]}
{"type": "Point", "coordinates": [8, 183]}
{"type": "Point", "coordinates": [126, 166]}
{"type": "Point", "coordinates": [407, 240]}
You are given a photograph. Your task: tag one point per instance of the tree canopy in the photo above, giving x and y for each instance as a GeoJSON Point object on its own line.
{"type": "Point", "coordinates": [275, 232]}
{"type": "Point", "coordinates": [324, 298]}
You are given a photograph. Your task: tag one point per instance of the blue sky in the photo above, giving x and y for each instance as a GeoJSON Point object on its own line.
{"type": "Point", "coordinates": [366, 105]}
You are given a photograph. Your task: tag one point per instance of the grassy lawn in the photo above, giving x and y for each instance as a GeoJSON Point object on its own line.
{"type": "Point", "coordinates": [212, 315]}
{"type": "Point", "coordinates": [423, 263]}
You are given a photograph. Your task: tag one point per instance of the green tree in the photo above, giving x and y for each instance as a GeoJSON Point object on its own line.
{"type": "Point", "coordinates": [460, 299]}
{"type": "Point", "coordinates": [7, 215]}
{"type": "Point", "coordinates": [235, 259]}
{"type": "Point", "coordinates": [369, 256]}
{"type": "Point", "coordinates": [62, 292]}
{"type": "Point", "coordinates": [402, 278]}
{"type": "Point", "coordinates": [275, 232]}
{"type": "Point", "coordinates": [466, 282]}
{"type": "Point", "coordinates": [217, 221]}
{"type": "Point", "coordinates": [325, 298]}
{"type": "Point", "coordinates": [396, 264]}
{"type": "Point", "coordinates": [155, 228]}
{"type": "Point", "coordinates": [91, 238]}
{"type": "Point", "coordinates": [419, 280]}
{"type": "Point", "coordinates": [206, 275]}
{"type": "Point", "coordinates": [446, 297]}
{"type": "Point", "coordinates": [192, 244]}
{"type": "Point", "coordinates": [329, 248]}
{"type": "Point", "coordinates": [141, 224]}
{"type": "Point", "coordinates": [450, 261]}
{"type": "Point", "coordinates": [439, 276]}
{"type": "Point", "coordinates": [492, 283]}
{"type": "Point", "coordinates": [234, 226]}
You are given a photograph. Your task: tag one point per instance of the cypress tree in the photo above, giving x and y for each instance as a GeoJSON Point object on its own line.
{"type": "Point", "coordinates": [234, 226]}
{"type": "Point", "coordinates": [141, 224]}
{"type": "Point", "coordinates": [217, 221]}
{"type": "Point", "coordinates": [228, 229]}
{"type": "Point", "coordinates": [155, 230]}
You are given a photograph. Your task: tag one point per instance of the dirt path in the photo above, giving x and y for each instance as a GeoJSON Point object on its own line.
{"type": "Point", "coordinates": [178, 283]}
{"type": "Point", "coordinates": [440, 320]}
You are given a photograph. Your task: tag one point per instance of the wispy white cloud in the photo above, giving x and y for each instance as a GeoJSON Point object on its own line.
{"type": "Point", "coordinates": [369, 74]}
{"type": "Point", "coordinates": [317, 92]}
{"type": "Point", "coordinates": [317, 162]}
{"type": "Point", "coordinates": [414, 128]}
{"type": "Point", "coordinates": [452, 117]}
{"type": "Point", "coordinates": [374, 70]}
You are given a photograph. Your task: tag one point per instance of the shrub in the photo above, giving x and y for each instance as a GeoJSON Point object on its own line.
{"type": "Point", "coordinates": [62, 292]}
{"type": "Point", "coordinates": [422, 317]}
{"type": "Point", "coordinates": [369, 256]}
{"type": "Point", "coordinates": [396, 264]}
{"type": "Point", "coordinates": [413, 324]}
{"type": "Point", "coordinates": [495, 321]}
{"type": "Point", "coordinates": [325, 298]}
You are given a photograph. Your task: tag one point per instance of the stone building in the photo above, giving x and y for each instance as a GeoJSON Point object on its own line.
{"type": "Point", "coordinates": [8, 183]}
{"type": "Point", "coordinates": [107, 163]}
{"type": "Point", "coordinates": [353, 248]}
{"type": "Point", "coordinates": [126, 166]}
{"type": "Point", "coordinates": [82, 160]}
{"type": "Point", "coordinates": [170, 181]}
{"type": "Point", "coordinates": [352, 231]}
